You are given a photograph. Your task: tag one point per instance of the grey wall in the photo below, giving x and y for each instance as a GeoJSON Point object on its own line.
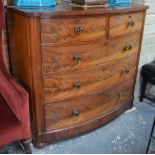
{"type": "Point", "coordinates": [148, 45]}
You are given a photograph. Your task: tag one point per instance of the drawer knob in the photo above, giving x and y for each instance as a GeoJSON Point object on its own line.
{"type": "Point", "coordinates": [77, 22]}
{"type": "Point", "coordinates": [77, 85]}
{"type": "Point", "coordinates": [123, 95]}
{"type": "Point", "coordinates": [131, 23]}
{"type": "Point", "coordinates": [77, 58]}
{"type": "Point", "coordinates": [128, 47]}
{"type": "Point", "coordinates": [125, 70]}
{"type": "Point", "coordinates": [78, 30]}
{"type": "Point", "coordinates": [76, 113]}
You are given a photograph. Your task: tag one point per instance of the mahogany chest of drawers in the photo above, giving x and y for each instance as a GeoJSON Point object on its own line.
{"type": "Point", "coordinates": [79, 65]}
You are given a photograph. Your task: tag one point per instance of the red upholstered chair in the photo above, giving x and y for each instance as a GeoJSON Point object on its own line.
{"type": "Point", "coordinates": [14, 104]}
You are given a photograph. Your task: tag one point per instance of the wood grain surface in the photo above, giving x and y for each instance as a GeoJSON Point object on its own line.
{"type": "Point", "coordinates": [125, 24]}
{"type": "Point", "coordinates": [68, 113]}
{"type": "Point", "coordinates": [58, 31]}
{"type": "Point", "coordinates": [61, 59]}
{"type": "Point", "coordinates": [61, 86]}
{"type": "Point", "coordinates": [78, 65]}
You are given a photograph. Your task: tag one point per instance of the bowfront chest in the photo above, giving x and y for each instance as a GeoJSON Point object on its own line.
{"type": "Point", "coordinates": [78, 65]}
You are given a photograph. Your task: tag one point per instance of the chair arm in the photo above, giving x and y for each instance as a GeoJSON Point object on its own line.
{"type": "Point", "coordinates": [13, 94]}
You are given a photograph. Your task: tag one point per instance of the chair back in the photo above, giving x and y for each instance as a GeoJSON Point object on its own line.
{"type": "Point", "coordinates": [11, 98]}
{"type": "Point", "coordinates": [2, 64]}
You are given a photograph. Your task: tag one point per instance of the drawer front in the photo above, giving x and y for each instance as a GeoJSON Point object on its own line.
{"type": "Point", "coordinates": [125, 24]}
{"type": "Point", "coordinates": [73, 112]}
{"type": "Point", "coordinates": [76, 57]}
{"type": "Point", "coordinates": [60, 31]}
{"type": "Point", "coordinates": [60, 86]}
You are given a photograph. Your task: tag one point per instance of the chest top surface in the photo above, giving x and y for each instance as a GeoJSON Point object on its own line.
{"type": "Point", "coordinates": [71, 10]}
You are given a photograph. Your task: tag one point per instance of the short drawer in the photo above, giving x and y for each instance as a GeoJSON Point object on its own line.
{"type": "Point", "coordinates": [61, 86]}
{"type": "Point", "coordinates": [62, 31]}
{"type": "Point", "coordinates": [125, 24]}
{"type": "Point", "coordinates": [77, 57]}
{"type": "Point", "coordinates": [77, 111]}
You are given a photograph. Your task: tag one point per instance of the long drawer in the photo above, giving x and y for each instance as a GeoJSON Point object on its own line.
{"type": "Point", "coordinates": [61, 86]}
{"type": "Point", "coordinates": [125, 24]}
{"type": "Point", "coordinates": [71, 30]}
{"type": "Point", "coordinates": [76, 57]}
{"type": "Point", "coordinates": [74, 112]}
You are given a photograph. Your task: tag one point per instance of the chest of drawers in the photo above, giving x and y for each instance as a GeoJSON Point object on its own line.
{"type": "Point", "coordinates": [79, 65]}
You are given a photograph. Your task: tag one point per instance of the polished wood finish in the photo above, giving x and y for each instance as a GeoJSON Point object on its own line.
{"type": "Point", "coordinates": [57, 87]}
{"type": "Point", "coordinates": [62, 58]}
{"type": "Point", "coordinates": [58, 31]}
{"type": "Point", "coordinates": [69, 113]}
{"type": "Point", "coordinates": [26, 62]}
{"type": "Point", "coordinates": [79, 65]}
{"type": "Point", "coordinates": [125, 24]}
{"type": "Point", "coordinates": [88, 126]}
{"type": "Point", "coordinates": [68, 10]}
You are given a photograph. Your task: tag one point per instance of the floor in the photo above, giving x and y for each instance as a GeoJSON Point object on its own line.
{"type": "Point", "coordinates": [129, 133]}
{"type": "Point", "coordinates": [152, 144]}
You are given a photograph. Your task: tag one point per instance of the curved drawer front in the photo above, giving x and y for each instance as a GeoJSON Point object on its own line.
{"type": "Point", "coordinates": [60, 31]}
{"type": "Point", "coordinates": [62, 86]}
{"type": "Point", "coordinates": [76, 57]}
{"type": "Point", "coordinates": [124, 24]}
{"type": "Point", "coordinates": [73, 112]}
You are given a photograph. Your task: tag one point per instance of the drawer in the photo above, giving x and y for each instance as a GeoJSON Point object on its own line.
{"type": "Point", "coordinates": [60, 31]}
{"type": "Point", "coordinates": [76, 111]}
{"type": "Point", "coordinates": [61, 86]}
{"type": "Point", "coordinates": [77, 57]}
{"type": "Point", "coordinates": [125, 24]}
